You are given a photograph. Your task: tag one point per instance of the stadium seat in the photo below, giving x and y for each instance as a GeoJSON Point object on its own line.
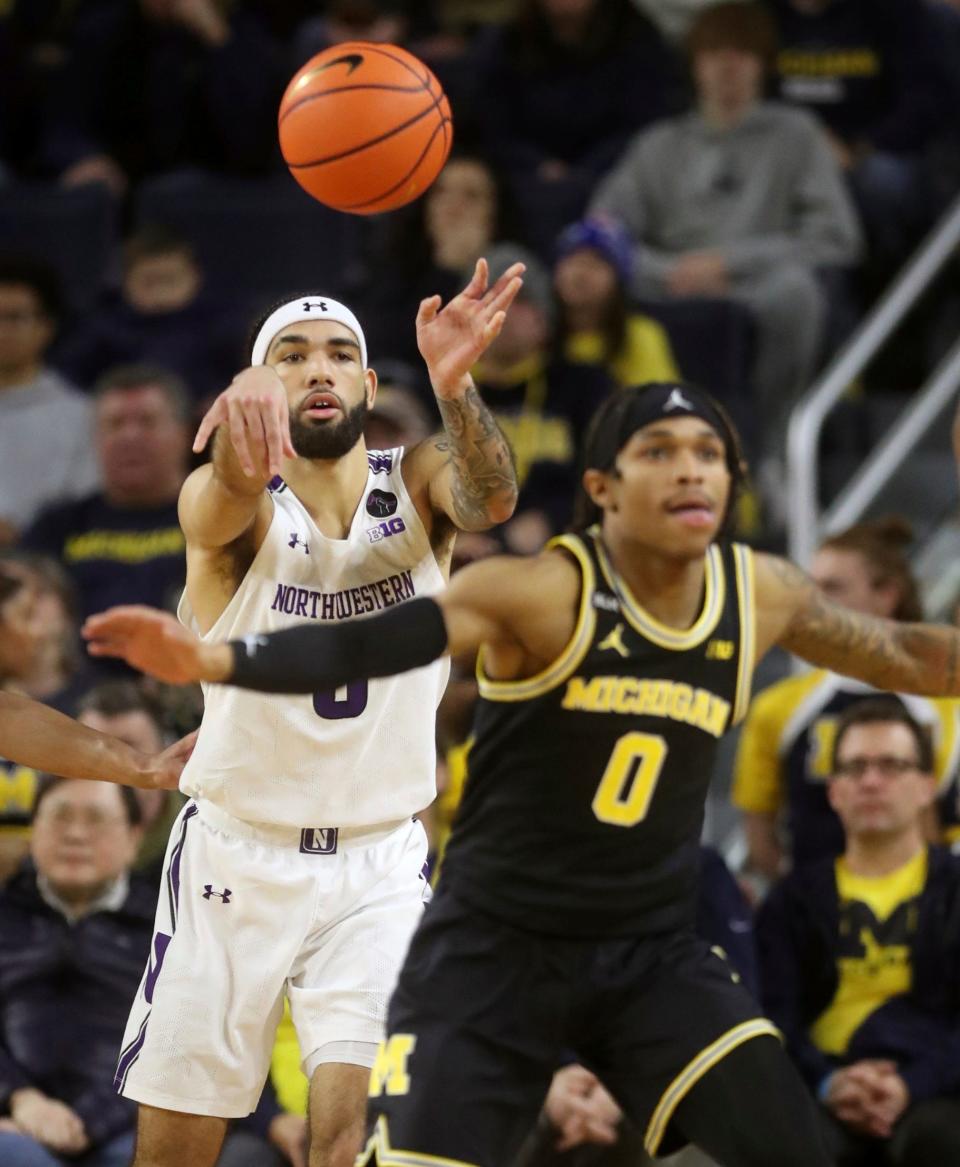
{"type": "Point", "coordinates": [73, 230]}
{"type": "Point", "coordinates": [257, 238]}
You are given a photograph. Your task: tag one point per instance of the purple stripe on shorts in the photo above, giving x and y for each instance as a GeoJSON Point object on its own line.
{"type": "Point", "coordinates": [173, 871]}
{"type": "Point", "coordinates": [129, 1056]}
{"type": "Point", "coordinates": [158, 947]}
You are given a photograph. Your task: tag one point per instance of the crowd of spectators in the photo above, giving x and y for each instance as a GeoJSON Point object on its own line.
{"type": "Point", "coordinates": [700, 190]}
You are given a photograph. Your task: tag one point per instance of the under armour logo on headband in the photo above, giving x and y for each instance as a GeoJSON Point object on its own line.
{"type": "Point", "coordinates": [305, 309]}
{"type": "Point", "coordinates": [676, 400]}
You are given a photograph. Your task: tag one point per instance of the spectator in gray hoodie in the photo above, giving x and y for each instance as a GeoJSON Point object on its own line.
{"type": "Point", "coordinates": [739, 198]}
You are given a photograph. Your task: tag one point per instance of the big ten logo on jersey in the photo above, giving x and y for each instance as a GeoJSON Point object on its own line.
{"type": "Point", "coordinates": [823, 733]}
{"type": "Point", "coordinates": [389, 1074]}
{"type": "Point", "coordinates": [720, 650]}
{"type": "Point", "coordinates": [385, 530]}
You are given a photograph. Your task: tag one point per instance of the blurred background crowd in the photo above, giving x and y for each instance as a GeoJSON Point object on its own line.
{"type": "Point", "coordinates": [716, 192]}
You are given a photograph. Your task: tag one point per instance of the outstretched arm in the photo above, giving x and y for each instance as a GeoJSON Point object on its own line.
{"type": "Point", "coordinates": [467, 472]}
{"type": "Point", "coordinates": [910, 658]}
{"type": "Point", "coordinates": [36, 736]}
{"type": "Point", "coordinates": [497, 603]}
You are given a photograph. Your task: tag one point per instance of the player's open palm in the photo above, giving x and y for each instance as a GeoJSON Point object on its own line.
{"type": "Point", "coordinates": [254, 412]}
{"type": "Point", "coordinates": [149, 640]}
{"type": "Point", "coordinates": [452, 339]}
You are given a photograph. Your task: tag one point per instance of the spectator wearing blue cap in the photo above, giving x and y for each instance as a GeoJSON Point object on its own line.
{"type": "Point", "coordinates": [595, 323]}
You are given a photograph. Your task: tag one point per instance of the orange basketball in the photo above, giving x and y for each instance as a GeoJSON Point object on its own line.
{"type": "Point", "coordinates": [365, 127]}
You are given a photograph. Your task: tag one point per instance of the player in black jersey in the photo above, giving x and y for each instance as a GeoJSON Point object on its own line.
{"type": "Point", "coordinates": [610, 666]}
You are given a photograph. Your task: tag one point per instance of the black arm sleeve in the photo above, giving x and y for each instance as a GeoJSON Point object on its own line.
{"type": "Point", "coordinates": [318, 656]}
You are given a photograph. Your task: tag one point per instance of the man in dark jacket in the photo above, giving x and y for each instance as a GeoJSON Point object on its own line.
{"type": "Point", "coordinates": [76, 935]}
{"type": "Point", "coordinates": [860, 956]}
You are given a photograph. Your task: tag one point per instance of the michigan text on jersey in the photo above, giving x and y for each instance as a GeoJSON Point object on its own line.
{"type": "Point", "coordinates": [630, 695]}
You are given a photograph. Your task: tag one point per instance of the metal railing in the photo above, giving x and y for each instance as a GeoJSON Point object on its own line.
{"type": "Point", "coordinates": [805, 525]}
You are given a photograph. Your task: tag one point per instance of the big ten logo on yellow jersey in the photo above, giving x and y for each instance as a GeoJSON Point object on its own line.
{"type": "Point", "coordinates": [820, 741]}
{"type": "Point", "coordinates": [389, 1073]}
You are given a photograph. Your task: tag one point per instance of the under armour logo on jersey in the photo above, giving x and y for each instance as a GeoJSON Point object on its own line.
{"type": "Point", "coordinates": [615, 642]}
{"type": "Point", "coordinates": [676, 400]}
{"type": "Point", "coordinates": [295, 541]}
{"type": "Point", "coordinates": [319, 840]}
{"type": "Point", "coordinates": [209, 893]}
{"type": "Point", "coordinates": [319, 305]}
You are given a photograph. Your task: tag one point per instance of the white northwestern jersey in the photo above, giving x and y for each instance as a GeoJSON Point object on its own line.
{"type": "Point", "coordinates": [362, 754]}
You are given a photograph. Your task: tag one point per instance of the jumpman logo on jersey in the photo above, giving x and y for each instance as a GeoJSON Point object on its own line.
{"type": "Point", "coordinates": [676, 400]}
{"type": "Point", "coordinates": [295, 541]}
{"type": "Point", "coordinates": [223, 896]}
{"type": "Point", "coordinates": [615, 642]}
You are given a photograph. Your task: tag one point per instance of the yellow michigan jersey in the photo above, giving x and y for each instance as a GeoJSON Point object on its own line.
{"type": "Point", "coordinates": [878, 917]}
{"type": "Point", "coordinates": [783, 758]}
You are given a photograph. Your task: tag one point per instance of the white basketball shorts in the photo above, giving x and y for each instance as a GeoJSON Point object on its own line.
{"type": "Point", "coordinates": [248, 914]}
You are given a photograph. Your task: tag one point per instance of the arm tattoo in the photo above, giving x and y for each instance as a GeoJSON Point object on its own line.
{"type": "Point", "coordinates": [484, 479]}
{"type": "Point", "coordinates": [913, 658]}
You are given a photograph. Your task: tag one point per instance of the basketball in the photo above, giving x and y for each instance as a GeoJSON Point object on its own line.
{"type": "Point", "coordinates": [365, 127]}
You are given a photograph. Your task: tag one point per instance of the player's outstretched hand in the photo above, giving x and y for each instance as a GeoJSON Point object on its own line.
{"type": "Point", "coordinates": [452, 339]}
{"type": "Point", "coordinates": [152, 641]}
{"type": "Point", "coordinates": [255, 411]}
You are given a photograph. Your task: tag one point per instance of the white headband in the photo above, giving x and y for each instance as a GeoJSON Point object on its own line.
{"type": "Point", "coordinates": [295, 311]}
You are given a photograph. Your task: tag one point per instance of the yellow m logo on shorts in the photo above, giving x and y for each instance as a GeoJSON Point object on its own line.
{"type": "Point", "coordinates": [389, 1071]}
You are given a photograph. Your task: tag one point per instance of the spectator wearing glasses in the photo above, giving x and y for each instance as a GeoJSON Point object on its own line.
{"type": "Point", "coordinates": [76, 932]}
{"type": "Point", "coordinates": [860, 955]}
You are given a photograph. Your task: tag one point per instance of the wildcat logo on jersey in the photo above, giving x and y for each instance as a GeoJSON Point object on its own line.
{"type": "Point", "coordinates": [296, 541]}
{"type": "Point", "coordinates": [381, 504]}
{"type": "Point", "coordinates": [379, 462]}
{"type": "Point", "coordinates": [389, 1073]}
{"type": "Point", "coordinates": [385, 530]}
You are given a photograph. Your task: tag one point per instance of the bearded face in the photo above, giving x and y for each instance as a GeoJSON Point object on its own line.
{"type": "Point", "coordinates": [328, 439]}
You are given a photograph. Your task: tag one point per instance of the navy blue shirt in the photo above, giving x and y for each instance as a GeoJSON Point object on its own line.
{"type": "Point", "coordinates": [114, 555]}
{"type": "Point", "coordinates": [799, 942]}
{"type": "Point", "coordinates": [65, 992]}
{"type": "Point", "coordinates": [865, 67]}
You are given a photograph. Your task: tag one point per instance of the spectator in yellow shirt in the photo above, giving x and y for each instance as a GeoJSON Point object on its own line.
{"type": "Point", "coordinates": [783, 758]}
{"type": "Point", "coordinates": [596, 323]}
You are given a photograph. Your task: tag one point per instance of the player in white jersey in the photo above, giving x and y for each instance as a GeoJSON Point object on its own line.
{"type": "Point", "coordinates": [297, 867]}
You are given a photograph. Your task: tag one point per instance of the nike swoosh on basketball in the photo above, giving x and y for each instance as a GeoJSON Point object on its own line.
{"type": "Point", "coordinates": [353, 60]}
